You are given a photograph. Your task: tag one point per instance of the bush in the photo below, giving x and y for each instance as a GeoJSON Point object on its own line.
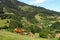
{"type": "Point", "coordinates": [10, 29]}
{"type": "Point", "coordinates": [34, 29]}
{"type": "Point", "coordinates": [4, 27]}
{"type": "Point", "coordinates": [43, 34]}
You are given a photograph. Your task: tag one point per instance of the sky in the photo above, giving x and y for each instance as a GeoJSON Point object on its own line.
{"type": "Point", "coordinates": [48, 4]}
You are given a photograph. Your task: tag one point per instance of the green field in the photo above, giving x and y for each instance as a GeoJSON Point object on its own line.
{"type": "Point", "coordinates": [5, 35]}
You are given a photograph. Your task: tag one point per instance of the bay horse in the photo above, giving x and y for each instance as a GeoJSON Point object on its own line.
{"type": "Point", "coordinates": [17, 30]}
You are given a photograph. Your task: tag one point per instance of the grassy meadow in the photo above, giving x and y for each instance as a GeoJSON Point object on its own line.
{"type": "Point", "coordinates": [6, 35]}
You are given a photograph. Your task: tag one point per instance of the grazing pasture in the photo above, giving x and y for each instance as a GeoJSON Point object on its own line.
{"type": "Point", "coordinates": [5, 35]}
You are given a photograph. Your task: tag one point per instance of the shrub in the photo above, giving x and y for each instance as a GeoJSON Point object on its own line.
{"type": "Point", "coordinates": [43, 34]}
{"type": "Point", "coordinates": [34, 29]}
{"type": "Point", "coordinates": [4, 27]}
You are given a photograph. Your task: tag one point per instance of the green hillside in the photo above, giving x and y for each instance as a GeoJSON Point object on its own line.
{"type": "Point", "coordinates": [15, 14]}
{"type": "Point", "coordinates": [5, 35]}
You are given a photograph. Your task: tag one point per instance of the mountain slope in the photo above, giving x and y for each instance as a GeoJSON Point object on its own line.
{"type": "Point", "coordinates": [18, 6]}
{"type": "Point", "coordinates": [30, 17]}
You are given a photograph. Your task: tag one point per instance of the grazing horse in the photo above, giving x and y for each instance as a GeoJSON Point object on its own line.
{"type": "Point", "coordinates": [17, 30]}
{"type": "Point", "coordinates": [58, 35]}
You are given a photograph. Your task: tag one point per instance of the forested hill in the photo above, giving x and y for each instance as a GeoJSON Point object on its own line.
{"type": "Point", "coordinates": [29, 17]}
{"type": "Point", "coordinates": [20, 6]}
